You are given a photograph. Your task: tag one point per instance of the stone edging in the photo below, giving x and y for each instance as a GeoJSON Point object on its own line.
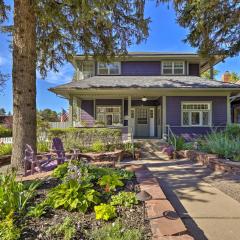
{"type": "Point", "coordinates": [211, 160]}
{"type": "Point", "coordinates": [162, 227]}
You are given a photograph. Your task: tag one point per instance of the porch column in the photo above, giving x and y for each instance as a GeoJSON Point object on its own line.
{"type": "Point", "coordinates": [164, 116]}
{"type": "Point", "coordinates": [129, 117]}
{"type": "Point", "coordinates": [229, 120]}
{"type": "Point", "coordinates": [70, 117]}
{"type": "Point", "coordinates": [79, 104]}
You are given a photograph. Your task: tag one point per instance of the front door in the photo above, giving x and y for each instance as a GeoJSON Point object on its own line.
{"type": "Point", "coordinates": [142, 122]}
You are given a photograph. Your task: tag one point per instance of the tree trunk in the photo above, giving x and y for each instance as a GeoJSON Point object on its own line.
{"type": "Point", "coordinates": [24, 80]}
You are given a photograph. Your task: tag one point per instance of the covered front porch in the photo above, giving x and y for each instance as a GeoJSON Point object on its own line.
{"type": "Point", "coordinates": [142, 116]}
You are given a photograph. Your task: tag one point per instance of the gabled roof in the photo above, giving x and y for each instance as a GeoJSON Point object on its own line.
{"type": "Point", "coordinates": [165, 82]}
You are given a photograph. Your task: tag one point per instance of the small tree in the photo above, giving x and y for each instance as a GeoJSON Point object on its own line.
{"type": "Point", "coordinates": [207, 74]}
{"type": "Point", "coordinates": [48, 115]}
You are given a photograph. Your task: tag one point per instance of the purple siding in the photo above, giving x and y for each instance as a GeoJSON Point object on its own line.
{"type": "Point", "coordinates": [136, 68]}
{"type": "Point", "coordinates": [193, 69]}
{"type": "Point", "coordinates": [173, 118]}
{"type": "Point", "coordinates": [114, 102]}
{"type": "Point", "coordinates": [87, 112]}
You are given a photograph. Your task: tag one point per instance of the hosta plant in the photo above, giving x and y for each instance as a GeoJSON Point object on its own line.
{"type": "Point", "coordinates": [127, 199]}
{"type": "Point", "coordinates": [110, 182]}
{"type": "Point", "coordinates": [71, 196]}
{"type": "Point", "coordinates": [105, 212]}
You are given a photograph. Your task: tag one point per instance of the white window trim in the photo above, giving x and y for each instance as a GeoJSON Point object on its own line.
{"type": "Point", "coordinates": [106, 113]}
{"type": "Point", "coordinates": [170, 74]}
{"type": "Point", "coordinates": [119, 65]}
{"type": "Point", "coordinates": [196, 110]}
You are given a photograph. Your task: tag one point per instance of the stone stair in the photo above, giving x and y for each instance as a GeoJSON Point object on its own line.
{"type": "Point", "coordinates": [152, 149]}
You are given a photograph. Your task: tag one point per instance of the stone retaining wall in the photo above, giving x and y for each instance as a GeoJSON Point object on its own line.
{"type": "Point", "coordinates": [159, 209]}
{"type": "Point", "coordinates": [211, 160]}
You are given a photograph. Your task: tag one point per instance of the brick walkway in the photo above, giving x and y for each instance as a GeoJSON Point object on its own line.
{"type": "Point", "coordinates": [207, 212]}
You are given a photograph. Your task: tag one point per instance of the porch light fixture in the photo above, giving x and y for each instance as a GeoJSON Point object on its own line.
{"type": "Point", "coordinates": [144, 99]}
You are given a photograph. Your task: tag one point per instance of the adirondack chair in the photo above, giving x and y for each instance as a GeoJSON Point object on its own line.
{"type": "Point", "coordinates": [35, 162]}
{"type": "Point", "coordinates": [58, 149]}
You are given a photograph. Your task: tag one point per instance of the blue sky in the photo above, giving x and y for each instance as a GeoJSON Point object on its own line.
{"type": "Point", "coordinates": [165, 35]}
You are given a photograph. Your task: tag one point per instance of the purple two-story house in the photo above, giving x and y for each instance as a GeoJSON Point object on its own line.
{"type": "Point", "coordinates": [146, 92]}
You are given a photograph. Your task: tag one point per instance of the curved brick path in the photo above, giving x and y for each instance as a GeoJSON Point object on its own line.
{"type": "Point", "coordinates": [206, 211]}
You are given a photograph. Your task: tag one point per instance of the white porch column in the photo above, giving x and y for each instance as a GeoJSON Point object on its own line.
{"type": "Point", "coordinates": [79, 105]}
{"type": "Point", "coordinates": [229, 120]}
{"type": "Point", "coordinates": [164, 113]}
{"type": "Point", "coordinates": [70, 117]}
{"type": "Point", "coordinates": [129, 117]}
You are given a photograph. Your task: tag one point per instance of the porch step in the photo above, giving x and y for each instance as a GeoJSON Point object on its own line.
{"type": "Point", "coordinates": [152, 149]}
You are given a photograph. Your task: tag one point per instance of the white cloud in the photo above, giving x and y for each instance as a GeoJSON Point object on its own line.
{"type": "Point", "coordinates": [64, 75]}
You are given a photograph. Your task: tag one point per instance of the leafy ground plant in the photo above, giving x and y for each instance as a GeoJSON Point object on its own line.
{"type": "Point", "coordinates": [66, 229]}
{"type": "Point", "coordinates": [5, 149]}
{"type": "Point", "coordinates": [105, 212]}
{"type": "Point", "coordinates": [116, 231]}
{"type": "Point", "coordinates": [110, 182]}
{"type": "Point", "coordinates": [126, 199]}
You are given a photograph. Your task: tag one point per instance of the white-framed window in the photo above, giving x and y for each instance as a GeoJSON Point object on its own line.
{"type": "Point", "coordinates": [113, 68]}
{"type": "Point", "coordinates": [196, 114]}
{"type": "Point", "coordinates": [172, 68]}
{"type": "Point", "coordinates": [109, 115]}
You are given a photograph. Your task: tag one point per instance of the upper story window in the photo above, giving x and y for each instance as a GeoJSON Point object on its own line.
{"type": "Point", "coordinates": [172, 68]}
{"type": "Point", "coordinates": [109, 68]}
{"type": "Point", "coordinates": [196, 114]}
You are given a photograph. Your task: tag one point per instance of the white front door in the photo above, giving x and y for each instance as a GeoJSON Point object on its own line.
{"type": "Point", "coordinates": [151, 122]}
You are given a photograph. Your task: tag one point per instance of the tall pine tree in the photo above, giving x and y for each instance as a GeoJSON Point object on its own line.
{"type": "Point", "coordinates": [46, 33]}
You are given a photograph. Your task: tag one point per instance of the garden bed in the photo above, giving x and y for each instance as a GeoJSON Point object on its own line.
{"type": "Point", "coordinates": [77, 201]}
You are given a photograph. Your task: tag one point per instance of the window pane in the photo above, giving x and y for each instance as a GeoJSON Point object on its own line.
{"type": "Point", "coordinates": [142, 116]}
{"type": "Point", "coordinates": [167, 71]}
{"type": "Point", "coordinates": [103, 71]}
{"type": "Point", "coordinates": [109, 119]}
{"type": "Point", "coordinates": [205, 118]}
{"type": "Point", "coordinates": [178, 71]}
{"type": "Point", "coordinates": [185, 118]}
{"type": "Point", "coordinates": [195, 118]}
{"type": "Point", "coordinates": [116, 118]}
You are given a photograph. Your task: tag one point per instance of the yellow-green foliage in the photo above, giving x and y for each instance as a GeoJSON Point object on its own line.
{"type": "Point", "coordinates": [127, 199]}
{"type": "Point", "coordinates": [5, 149]}
{"type": "Point", "coordinates": [105, 212]}
{"type": "Point", "coordinates": [5, 132]}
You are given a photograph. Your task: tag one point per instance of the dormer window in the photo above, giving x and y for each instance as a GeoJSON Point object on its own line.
{"type": "Point", "coordinates": [109, 68]}
{"type": "Point", "coordinates": [172, 68]}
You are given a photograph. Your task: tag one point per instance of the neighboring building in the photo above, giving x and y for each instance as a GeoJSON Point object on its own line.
{"type": "Point", "coordinates": [147, 92]}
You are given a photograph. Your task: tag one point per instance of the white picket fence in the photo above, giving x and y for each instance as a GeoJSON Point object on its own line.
{"type": "Point", "coordinates": [7, 140]}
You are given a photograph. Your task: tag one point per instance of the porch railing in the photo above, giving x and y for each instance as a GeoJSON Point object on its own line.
{"type": "Point", "coordinates": [171, 138]}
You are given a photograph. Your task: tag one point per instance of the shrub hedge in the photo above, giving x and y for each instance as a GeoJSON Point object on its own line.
{"type": "Point", "coordinates": [84, 137]}
{"type": "Point", "coordinates": [5, 132]}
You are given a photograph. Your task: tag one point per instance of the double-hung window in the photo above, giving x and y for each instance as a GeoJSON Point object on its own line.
{"type": "Point", "coordinates": [109, 68]}
{"type": "Point", "coordinates": [196, 114]}
{"type": "Point", "coordinates": [172, 68]}
{"type": "Point", "coordinates": [109, 115]}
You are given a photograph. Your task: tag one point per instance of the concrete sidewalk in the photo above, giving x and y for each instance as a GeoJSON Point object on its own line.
{"type": "Point", "coordinates": [207, 212]}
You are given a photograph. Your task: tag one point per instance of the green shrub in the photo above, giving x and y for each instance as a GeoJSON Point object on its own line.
{"type": "Point", "coordinates": [116, 231]}
{"type": "Point", "coordinates": [85, 137]}
{"type": "Point", "coordinates": [66, 229]}
{"type": "Point", "coordinates": [105, 212]}
{"type": "Point", "coordinates": [233, 130]}
{"type": "Point", "coordinates": [42, 147]}
{"type": "Point", "coordinates": [223, 144]}
{"type": "Point", "coordinates": [5, 132]}
{"type": "Point", "coordinates": [14, 196]}
{"type": "Point", "coordinates": [98, 147]}
{"type": "Point", "coordinates": [72, 195]}
{"type": "Point", "coordinates": [110, 182]}
{"type": "Point", "coordinates": [61, 170]}
{"type": "Point", "coordinates": [5, 149]}
{"type": "Point", "coordinates": [179, 143]}
{"type": "Point", "coordinates": [8, 230]}
{"type": "Point", "coordinates": [38, 210]}
{"type": "Point", "coordinates": [126, 199]}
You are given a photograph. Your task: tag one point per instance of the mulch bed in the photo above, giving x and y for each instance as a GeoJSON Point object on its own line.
{"type": "Point", "coordinates": [36, 228]}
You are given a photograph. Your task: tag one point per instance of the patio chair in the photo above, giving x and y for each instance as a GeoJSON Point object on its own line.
{"type": "Point", "coordinates": [36, 162]}
{"type": "Point", "coordinates": [62, 156]}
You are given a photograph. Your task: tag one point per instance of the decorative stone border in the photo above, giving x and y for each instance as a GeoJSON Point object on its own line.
{"type": "Point", "coordinates": [211, 160]}
{"type": "Point", "coordinates": [162, 226]}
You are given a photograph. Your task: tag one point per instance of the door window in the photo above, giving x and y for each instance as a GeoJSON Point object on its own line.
{"type": "Point", "coordinates": [142, 117]}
